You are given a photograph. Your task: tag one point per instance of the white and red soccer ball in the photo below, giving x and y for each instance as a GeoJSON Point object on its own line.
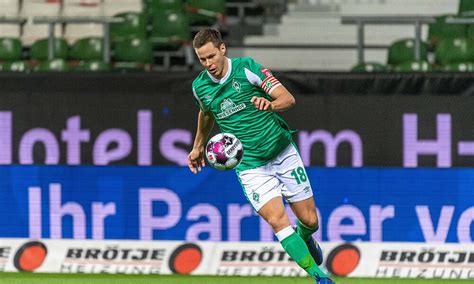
{"type": "Point", "coordinates": [224, 151]}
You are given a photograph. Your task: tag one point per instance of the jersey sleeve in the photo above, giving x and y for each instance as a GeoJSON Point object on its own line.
{"type": "Point", "coordinates": [198, 101]}
{"type": "Point", "coordinates": [260, 76]}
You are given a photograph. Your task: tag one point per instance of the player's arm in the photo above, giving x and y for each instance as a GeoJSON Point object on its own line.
{"type": "Point", "coordinates": [204, 127]}
{"type": "Point", "coordinates": [282, 100]}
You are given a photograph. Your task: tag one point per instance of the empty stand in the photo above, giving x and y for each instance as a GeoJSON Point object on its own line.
{"type": "Point", "coordinates": [306, 24]}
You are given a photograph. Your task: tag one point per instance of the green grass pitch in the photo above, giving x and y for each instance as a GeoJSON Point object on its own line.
{"type": "Point", "coordinates": [43, 278]}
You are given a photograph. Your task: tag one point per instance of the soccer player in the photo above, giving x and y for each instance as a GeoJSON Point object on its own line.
{"type": "Point", "coordinates": [243, 98]}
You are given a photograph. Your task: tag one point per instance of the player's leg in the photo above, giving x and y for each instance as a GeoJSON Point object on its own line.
{"type": "Point", "coordinates": [264, 191]}
{"type": "Point", "coordinates": [307, 224]}
{"type": "Point", "coordinates": [274, 213]}
{"type": "Point", "coordinates": [296, 188]}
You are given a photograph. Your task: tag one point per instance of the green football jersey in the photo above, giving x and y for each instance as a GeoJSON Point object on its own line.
{"type": "Point", "coordinates": [264, 134]}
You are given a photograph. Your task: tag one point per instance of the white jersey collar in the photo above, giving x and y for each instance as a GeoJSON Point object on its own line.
{"type": "Point", "coordinates": [227, 75]}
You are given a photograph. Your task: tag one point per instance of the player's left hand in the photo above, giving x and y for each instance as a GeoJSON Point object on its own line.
{"type": "Point", "coordinates": [261, 103]}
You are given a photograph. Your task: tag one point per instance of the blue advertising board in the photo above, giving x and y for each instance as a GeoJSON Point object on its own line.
{"type": "Point", "coordinates": [171, 203]}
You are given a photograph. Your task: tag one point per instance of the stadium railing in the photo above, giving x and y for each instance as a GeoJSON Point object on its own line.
{"type": "Point", "coordinates": [362, 21]}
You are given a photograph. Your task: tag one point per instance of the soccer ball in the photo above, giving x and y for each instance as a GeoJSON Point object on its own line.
{"type": "Point", "coordinates": [224, 151]}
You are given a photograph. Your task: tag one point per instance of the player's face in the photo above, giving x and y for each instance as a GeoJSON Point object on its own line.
{"type": "Point", "coordinates": [212, 58]}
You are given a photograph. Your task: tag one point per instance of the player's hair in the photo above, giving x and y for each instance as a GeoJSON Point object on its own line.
{"type": "Point", "coordinates": [207, 35]}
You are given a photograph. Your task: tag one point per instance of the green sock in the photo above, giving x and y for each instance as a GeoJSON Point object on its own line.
{"type": "Point", "coordinates": [296, 248]}
{"type": "Point", "coordinates": [304, 232]}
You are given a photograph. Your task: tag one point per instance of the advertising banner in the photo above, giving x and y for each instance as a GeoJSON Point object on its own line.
{"type": "Point", "coordinates": [358, 259]}
{"type": "Point", "coordinates": [151, 120]}
{"type": "Point", "coordinates": [171, 203]}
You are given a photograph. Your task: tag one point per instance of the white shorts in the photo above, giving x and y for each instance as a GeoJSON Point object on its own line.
{"type": "Point", "coordinates": [283, 176]}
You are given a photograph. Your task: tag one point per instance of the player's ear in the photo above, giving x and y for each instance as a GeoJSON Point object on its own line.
{"type": "Point", "coordinates": [222, 48]}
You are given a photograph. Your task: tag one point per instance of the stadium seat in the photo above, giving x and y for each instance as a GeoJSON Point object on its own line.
{"type": "Point", "coordinates": [458, 67]}
{"type": "Point", "coordinates": [90, 48]}
{"type": "Point", "coordinates": [92, 66]}
{"type": "Point", "coordinates": [205, 12]}
{"type": "Point", "coordinates": [413, 66]}
{"type": "Point", "coordinates": [153, 7]}
{"type": "Point", "coordinates": [441, 29]}
{"type": "Point", "coordinates": [368, 67]}
{"type": "Point", "coordinates": [14, 66]}
{"type": "Point", "coordinates": [454, 50]}
{"type": "Point", "coordinates": [10, 49]}
{"type": "Point", "coordinates": [170, 29]}
{"type": "Point", "coordinates": [132, 53]}
{"type": "Point", "coordinates": [55, 65]}
{"type": "Point", "coordinates": [466, 8]}
{"type": "Point", "coordinates": [39, 49]}
{"type": "Point", "coordinates": [404, 51]}
{"type": "Point", "coordinates": [134, 25]}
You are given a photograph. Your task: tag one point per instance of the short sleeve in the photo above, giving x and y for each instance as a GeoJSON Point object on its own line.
{"type": "Point", "coordinates": [260, 76]}
{"type": "Point", "coordinates": [198, 101]}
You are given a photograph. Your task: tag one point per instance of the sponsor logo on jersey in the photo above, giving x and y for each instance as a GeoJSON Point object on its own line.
{"type": "Point", "coordinates": [236, 85]}
{"type": "Point", "coordinates": [228, 108]}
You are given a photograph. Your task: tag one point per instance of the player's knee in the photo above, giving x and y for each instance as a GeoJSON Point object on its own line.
{"type": "Point", "coordinates": [311, 222]}
{"type": "Point", "coordinates": [277, 223]}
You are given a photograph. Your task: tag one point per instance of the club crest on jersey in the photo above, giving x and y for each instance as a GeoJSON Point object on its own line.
{"type": "Point", "coordinates": [236, 85]}
{"type": "Point", "coordinates": [228, 108]}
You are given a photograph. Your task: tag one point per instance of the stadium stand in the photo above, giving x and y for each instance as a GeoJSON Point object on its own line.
{"type": "Point", "coordinates": [302, 34]}
{"type": "Point", "coordinates": [321, 42]}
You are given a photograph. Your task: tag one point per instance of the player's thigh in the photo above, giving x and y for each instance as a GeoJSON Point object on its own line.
{"type": "Point", "coordinates": [259, 186]}
{"type": "Point", "coordinates": [275, 214]}
{"type": "Point", "coordinates": [290, 171]}
{"type": "Point", "coordinates": [305, 211]}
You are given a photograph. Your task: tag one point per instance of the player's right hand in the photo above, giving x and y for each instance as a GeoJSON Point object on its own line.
{"type": "Point", "coordinates": [196, 161]}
